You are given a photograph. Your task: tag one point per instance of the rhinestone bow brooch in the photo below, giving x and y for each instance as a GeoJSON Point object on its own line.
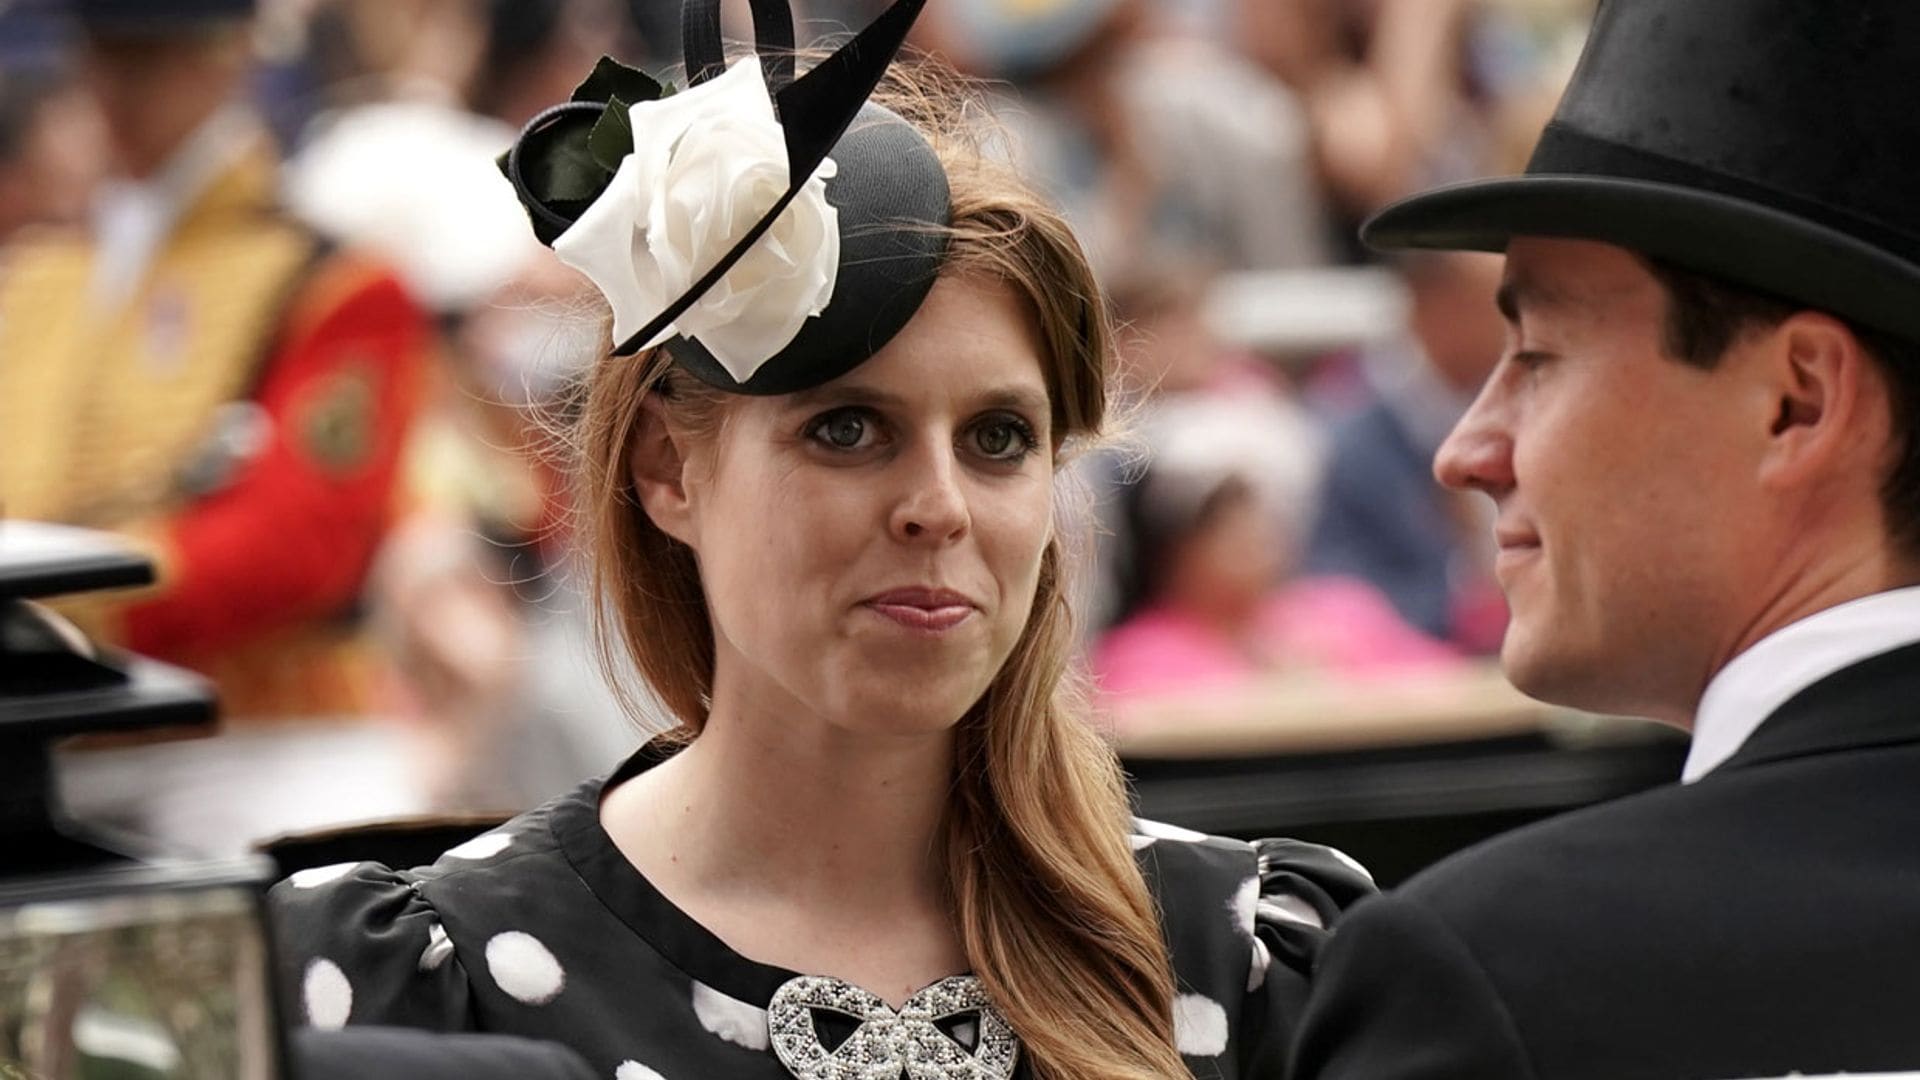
{"type": "Point", "coordinates": [948, 1031]}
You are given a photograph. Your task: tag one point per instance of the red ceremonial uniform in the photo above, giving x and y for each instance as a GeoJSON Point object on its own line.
{"type": "Point", "coordinates": [242, 412]}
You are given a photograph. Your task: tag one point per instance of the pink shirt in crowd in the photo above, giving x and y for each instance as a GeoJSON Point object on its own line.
{"type": "Point", "coordinates": [1339, 626]}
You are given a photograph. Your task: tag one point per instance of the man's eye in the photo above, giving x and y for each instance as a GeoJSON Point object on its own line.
{"type": "Point", "coordinates": [843, 429]}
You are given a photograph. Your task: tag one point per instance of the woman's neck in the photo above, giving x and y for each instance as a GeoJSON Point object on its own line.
{"type": "Point", "coordinates": [802, 844]}
{"type": "Point", "coordinates": [840, 816]}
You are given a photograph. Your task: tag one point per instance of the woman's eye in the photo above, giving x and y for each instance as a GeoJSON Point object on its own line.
{"type": "Point", "coordinates": [1004, 439]}
{"type": "Point", "coordinates": [843, 429]}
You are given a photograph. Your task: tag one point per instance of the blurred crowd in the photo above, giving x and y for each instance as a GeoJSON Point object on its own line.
{"type": "Point", "coordinates": [360, 520]}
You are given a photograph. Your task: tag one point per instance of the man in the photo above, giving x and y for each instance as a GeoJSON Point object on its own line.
{"type": "Point", "coordinates": [200, 372]}
{"type": "Point", "coordinates": [1380, 518]}
{"type": "Point", "coordinates": [1703, 446]}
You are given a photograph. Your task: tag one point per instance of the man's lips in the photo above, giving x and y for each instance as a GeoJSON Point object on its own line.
{"type": "Point", "coordinates": [1514, 546]}
{"type": "Point", "coordinates": [926, 609]}
{"type": "Point", "coordinates": [1515, 539]}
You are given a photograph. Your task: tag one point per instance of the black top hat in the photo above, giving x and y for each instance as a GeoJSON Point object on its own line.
{"type": "Point", "coordinates": [884, 236]}
{"type": "Point", "coordinates": [1771, 143]}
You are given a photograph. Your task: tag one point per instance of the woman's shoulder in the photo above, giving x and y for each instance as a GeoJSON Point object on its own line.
{"type": "Point", "coordinates": [365, 942]}
{"type": "Point", "coordinates": [1243, 921]}
{"type": "Point", "coordinates": [495, 861]}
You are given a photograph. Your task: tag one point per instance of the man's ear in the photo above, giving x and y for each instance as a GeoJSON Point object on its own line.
{"type": "Point", "coordinates": [1823, 383]}
{"type": "Point", "coordinates": [658, 467]}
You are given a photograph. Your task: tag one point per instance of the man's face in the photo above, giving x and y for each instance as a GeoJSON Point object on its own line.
{"type": "Point", "coordinates": [1623, 483]}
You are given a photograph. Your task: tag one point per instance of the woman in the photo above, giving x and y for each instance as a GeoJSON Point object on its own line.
{"type": "Point", "coordinates": [1211, 600]}
{"type": "Point", "coordinates": [880, 842]}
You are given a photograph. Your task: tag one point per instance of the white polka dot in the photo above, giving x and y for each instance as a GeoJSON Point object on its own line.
{"type": "Point", "coordinates": [1160, 830]}
{"type": "Point", "coordinates": [1241, 907]}
{"type": "Point", "coordinates": [437, 950]}
{"type": "Point", "coordinates": [524, 968]}
{"type": "Point", "coordinates": [1199, 1026]}
{"type": "Point", "coordinates": [1289, 908]}
{"type": "Point", "coordinates": [484, 846]}
{"type": "Point", "coordinates": [1140, 842]}
{"type": "Point", "coordinates": [1350, 863]}
{"type": "Point", "coordinates": [315, 876]}
{"type": "Point", "coordinates": [1257, 971]}
{"type": "Point", "coordinates": [734, 1021]}
{"type": "Point", "coordinates": [328, 995]}
{"type": "Point", "coordinates": [633, 1070]}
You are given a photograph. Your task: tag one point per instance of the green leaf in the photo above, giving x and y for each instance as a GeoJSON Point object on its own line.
{"type": "Point", "coordinates": [613, 80]}
{"type": "Point", "coordinates": [612, 137]}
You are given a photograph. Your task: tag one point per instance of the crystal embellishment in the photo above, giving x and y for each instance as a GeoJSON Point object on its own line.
{"type": "Point", "coordinates": [889, 1045]}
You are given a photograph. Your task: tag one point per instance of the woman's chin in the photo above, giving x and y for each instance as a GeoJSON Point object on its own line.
{"type": "Point", "coordinates": [905, 706]}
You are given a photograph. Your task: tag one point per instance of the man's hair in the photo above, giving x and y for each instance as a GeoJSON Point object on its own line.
{"type": "Point", "coordinates": [1706, 315]}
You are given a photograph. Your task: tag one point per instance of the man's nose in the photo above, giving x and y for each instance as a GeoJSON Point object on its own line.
{"type": "Point", "coordinates": [1478, 453]}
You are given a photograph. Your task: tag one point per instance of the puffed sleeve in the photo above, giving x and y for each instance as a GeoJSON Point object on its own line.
{"type": "Point", "coordinates": [359, 944]}
{"type": "Point", "coordinates": [1303, 890]}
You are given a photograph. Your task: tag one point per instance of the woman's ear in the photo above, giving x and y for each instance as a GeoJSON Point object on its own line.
{"type": "Point", "coordinates": [658, 467]}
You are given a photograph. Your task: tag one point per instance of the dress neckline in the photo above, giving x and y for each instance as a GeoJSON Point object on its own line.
{"type": "Point", "coordinates": [626, 892]}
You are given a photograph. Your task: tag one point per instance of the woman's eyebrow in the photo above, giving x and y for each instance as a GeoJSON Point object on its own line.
{"type": "Point", "coordinates": [1015, 397]}
{"type": "Point", "coordinates": [999, 397]}
{"type": "Point", "coordinates": [844, 394]}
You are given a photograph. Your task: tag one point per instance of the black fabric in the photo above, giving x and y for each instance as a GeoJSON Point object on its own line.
{"type": "Point", "coordinates": [373, 1053]}
{"type": "Point", "coordinates": [706, 53]}
{"type": "Point", "coordinates": [1761, 921]}
{"type": "Point", "coordinates": [542, 929]}
{"type": "Point", "coordinates": [1765, 141]}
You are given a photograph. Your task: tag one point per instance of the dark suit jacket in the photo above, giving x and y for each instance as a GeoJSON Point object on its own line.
{"type": "Point", "coordinates": [1763, 920]}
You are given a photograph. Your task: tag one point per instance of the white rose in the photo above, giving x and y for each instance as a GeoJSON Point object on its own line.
{"type": "Point", "coordinates": [707, 164]}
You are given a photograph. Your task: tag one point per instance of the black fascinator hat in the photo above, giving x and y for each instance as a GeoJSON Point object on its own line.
{"type": "Point", "coordinates": [770, 231]}
{"type": "Point", "coordinates": [1767, 142]}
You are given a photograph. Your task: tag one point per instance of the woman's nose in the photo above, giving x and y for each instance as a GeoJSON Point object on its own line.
{"type": "Point", "coordinates": [932, 506]}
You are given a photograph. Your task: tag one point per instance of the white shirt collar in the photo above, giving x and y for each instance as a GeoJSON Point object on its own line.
{"type": "Point", "coordinates": [132, 219]}
{"type": "Point", "coordinates": [1789, 660]}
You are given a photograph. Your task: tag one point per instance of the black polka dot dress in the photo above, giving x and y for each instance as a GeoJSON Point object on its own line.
{"type": "Point", "coordinates": [542, 929]}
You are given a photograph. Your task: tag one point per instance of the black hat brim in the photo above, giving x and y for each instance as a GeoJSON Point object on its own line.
{"type": "Point", "coordinates": [1724, 236]}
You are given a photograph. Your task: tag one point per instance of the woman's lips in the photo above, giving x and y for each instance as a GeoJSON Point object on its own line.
{"type": "Point", "coordinates": [925, 610]}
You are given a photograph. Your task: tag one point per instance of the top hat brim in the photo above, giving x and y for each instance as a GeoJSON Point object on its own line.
{"type": "Point", "coordinates": [1728, 237]}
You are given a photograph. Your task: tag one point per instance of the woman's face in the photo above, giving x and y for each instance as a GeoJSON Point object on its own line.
{"type": "Point", "coordinates": [870, 548]}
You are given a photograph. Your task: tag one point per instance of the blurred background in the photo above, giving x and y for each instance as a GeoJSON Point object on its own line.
{"type": "Point", "coordinates": [363, 540]}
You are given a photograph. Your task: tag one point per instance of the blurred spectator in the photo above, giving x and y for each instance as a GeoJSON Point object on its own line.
{"type": "Point", "coordinates": [1176, 377]}
{"type": "Point", "coordinates": [1157, 146]}
{"type": "Point", "coordinates": [200, 372]}
{"type": "Point", "coordinates": [1383, 84]}
{"type": "Point", "coordinates": [536, 49]}
{"type": "Point", "coordinates": [1382, 519]}
{"type": "Point", "coordinates": [51, 150]}
{"type": "Point", "coordinates": [490, 640]}
{"type": "Point", "coordinates": [1213, 600]}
